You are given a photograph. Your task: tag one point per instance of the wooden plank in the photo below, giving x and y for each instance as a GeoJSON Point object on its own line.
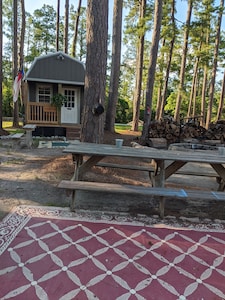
{"type": "Point", "coordinates": [50, 109]}
{"type": "Point", "coordinates": [121, 188]}
{"type": "Point", "coordinates": [173, 168]}
{"type": "Point", "coordinates": [159, 192]}
{"type": "Point", "coordinates": [150, 153]}
{"type": "Point", "coordinates": [129, 167]}
{"type": "Point", "coordinates": [92, 161]}
{"type": "Point", "coordinates": [148, 191]}
{"type": "Point", "coordinates": [219, 169]}
{"type": "Point", "coordinates": [151, 169]}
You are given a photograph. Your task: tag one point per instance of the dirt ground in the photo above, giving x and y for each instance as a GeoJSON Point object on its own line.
{"type": "Point", "coordinates": [31, 176]}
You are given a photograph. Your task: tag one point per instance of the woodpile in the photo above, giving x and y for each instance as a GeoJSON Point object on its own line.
{"type": "Point", "coordinates": [175, 133]}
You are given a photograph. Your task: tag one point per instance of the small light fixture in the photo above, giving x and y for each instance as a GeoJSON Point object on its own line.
{"type": "Point", "coordinates": [60, 56]}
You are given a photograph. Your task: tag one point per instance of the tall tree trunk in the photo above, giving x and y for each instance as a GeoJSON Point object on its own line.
{"type": "Point", "coordinates": [159, 100]}
{"type": "Point", "coordinates": [183, 62]}
{"type": "Point", "coordinates": [152, 67]}
{"type": "Point", "coordinates": [160, 84]}
{"type": "Point", "coordinates": [221, 103]}
{"type": "Point", "coordinates": [203, 96]}
{"type": "Point", "coordinates": [214, 69]}
{"type": "Point", "coordinates": [76, 25]}
{"type": "Point", "coordinates": [21, 47]}
{"type": "Point", "coordinates": [164, 94]}
{"type": "Point", "coordinates": [57, 25]}
{"type": "Point", "coordinates": [92, 128]}
{"type": "Point", "coordinates": [66, 26]}
{"type": "Point", "coordinates": [192, 100]}
{"type": "Point", "coordinates": [115, 67]}
{"type": "Point", "coordinates": [139, 68]}
{"type": "Point", "coordinates": [1, 76]}
{"type": "Point", "coordinates": [22, 34]}
{"type": "Point", "coordinates": [204, 86]}
{"type": "Point", "coordinates": [15, 61]}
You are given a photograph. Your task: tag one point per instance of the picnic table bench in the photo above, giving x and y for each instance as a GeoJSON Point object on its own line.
{"type": "Point", "coordinates": [157, 192]}
{"type": "Point", "coordinates": [162, 164]}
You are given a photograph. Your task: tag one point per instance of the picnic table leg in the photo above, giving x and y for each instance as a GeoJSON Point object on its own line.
{"type": "Point", "coordinates": [77, 160]}
{"type": "Point", "coordinates": [219, 168]}
{"type": "Point", "coordinates": [160, 177]}
{"type": "Point", "coordinates": [221, 183]}
{"type": "Point", "coordinates": [162, 202]}
{"type": "Point", "coordinates": [159, 181]}
{"type": "Point", "coordinates": [72, 205]}
{"type": "Point", "coordinates": [154, 173]}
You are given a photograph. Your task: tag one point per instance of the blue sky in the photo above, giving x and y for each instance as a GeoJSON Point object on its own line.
{"type": "Point", "coordinates": [37, 4]}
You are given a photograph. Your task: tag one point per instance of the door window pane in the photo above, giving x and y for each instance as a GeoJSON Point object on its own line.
{"type": "Point", "coordinates": [70, 96]}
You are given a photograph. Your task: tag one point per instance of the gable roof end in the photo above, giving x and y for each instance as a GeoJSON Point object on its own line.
{"type": "Point", "coordinates": [56, 67]}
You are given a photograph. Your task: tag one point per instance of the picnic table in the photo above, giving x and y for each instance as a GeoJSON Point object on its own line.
{"type": "Point", "coordinates": [162, 164]}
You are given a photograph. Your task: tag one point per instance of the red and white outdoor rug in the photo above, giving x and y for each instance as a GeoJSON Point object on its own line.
{"type": "Point", "coordinates": [49, 253]}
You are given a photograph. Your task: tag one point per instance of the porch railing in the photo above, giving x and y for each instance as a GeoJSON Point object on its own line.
{"type": "Point", "coordinates": [42, 113]}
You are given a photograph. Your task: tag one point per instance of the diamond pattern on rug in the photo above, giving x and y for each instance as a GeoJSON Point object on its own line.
{"type": "Point", "coordinates": [64, 258]}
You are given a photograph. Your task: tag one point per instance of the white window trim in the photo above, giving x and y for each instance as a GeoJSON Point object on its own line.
{"type": "Point", "coordinates": [44, 86]}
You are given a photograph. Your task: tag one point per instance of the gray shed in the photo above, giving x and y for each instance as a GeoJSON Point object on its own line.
{"type": "Point", "coordinates": [50, 76]}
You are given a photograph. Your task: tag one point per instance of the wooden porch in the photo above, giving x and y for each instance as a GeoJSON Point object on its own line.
{"type": "Point", "coordinates": [42, 113]}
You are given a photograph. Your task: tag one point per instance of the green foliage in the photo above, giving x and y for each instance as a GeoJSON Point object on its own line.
{"type": "Point", "coordinates": [58, 100]}
{"type": "Point", "coordinates": [7, 109]}
{"type": "Point", "coordinates": [44, 29]}
{"type": "Point", "coordinates": [122, 111]}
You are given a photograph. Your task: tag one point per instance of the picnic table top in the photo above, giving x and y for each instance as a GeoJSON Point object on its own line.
{"type": "Point", "coordinates": [92, 149]}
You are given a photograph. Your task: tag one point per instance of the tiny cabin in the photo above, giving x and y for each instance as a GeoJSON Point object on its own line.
{"type": "Point", "coordinates": [51, 77]}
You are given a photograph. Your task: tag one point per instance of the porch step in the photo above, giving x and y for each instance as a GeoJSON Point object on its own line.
{"type": "Point", "coordinates": [73, 133]}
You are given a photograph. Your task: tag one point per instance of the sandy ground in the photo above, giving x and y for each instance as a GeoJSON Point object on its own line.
{"type": "Point", "coordinates": [31, 176]}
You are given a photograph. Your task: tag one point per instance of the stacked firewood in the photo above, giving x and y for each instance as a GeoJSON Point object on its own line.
{"type": "Point", "coordinates": [175, 132]}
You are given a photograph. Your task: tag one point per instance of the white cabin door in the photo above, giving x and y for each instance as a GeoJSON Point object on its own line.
{"type": "Point", "coordinates": [70, 111]}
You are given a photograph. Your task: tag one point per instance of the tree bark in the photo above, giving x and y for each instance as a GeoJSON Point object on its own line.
{"type": "Point", "coordinates": [15, 61]}
{"type": "Point", "coordinates": [152, 67]}
{"type": "Point", "coordinates": [115, 68]}
{"type": "Point", "coordinates": [76, 25]}
{"type": "Point", "coordinates": [164, 94]}
{"type": "Point", "coordinates": [183, 62]}
{"type": "Point", "coordinates": [21, 47]}
{"type": "Point", "coordinates": [66, 26]}
{"type": "Point", "coordinates": [221, 103]}
{"type": "Point", "coordinates": [57, 25]}
{"type": "Point", "coordinates": [92, 128]}
{"type": "Point", "coordinates": [192, 100]}
{"type": "Point", "coordinates": [214, 69]}
{"type": "Point", "coordinates": [1, 75]}
{"type": "Point", "coordinates": [139, 68]}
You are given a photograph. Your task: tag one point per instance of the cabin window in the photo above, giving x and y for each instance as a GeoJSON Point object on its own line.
{"type": "Point", "coordinates": [44, 94]}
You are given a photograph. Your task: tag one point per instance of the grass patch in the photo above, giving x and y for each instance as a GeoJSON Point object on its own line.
{"type": "Point", "coordinates": [121, 127]}
{"type": "Point", "coordinates": [8, 126]}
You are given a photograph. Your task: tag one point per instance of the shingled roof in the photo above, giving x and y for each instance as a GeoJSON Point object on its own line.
{"type": "Point", "coordinates": [56, 67]}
